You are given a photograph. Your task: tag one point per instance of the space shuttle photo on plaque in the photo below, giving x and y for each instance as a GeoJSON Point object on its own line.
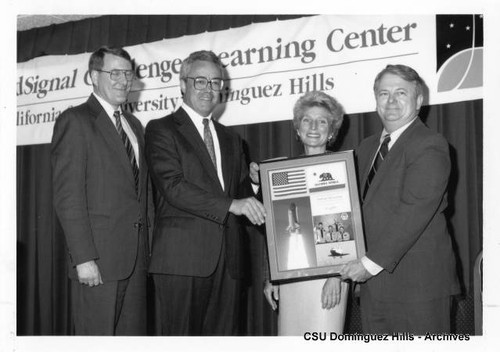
{"type": "Point", "coordinates": [313, 222]}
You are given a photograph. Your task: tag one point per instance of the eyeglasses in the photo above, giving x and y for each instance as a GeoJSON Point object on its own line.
{"type": "Point", "coordinates": [202, 82]}
{"type": "Point", "coordinates": [116, 75]}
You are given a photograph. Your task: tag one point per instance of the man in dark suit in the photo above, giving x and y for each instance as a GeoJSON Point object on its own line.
{"type": "Point", "coordinates": [409, 267]}
{"type": "Point", "coordinates": [198, 169]}
{"type": "Point", "coordinates": [100, 196]}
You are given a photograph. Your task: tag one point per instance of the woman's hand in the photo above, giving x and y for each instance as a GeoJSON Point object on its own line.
{"type": "Point", "coordinates": [272, 294]}
{"type": "Point", "coordinates": [331, 293]}
{"type": "Point", "coordinates": [253, 171]}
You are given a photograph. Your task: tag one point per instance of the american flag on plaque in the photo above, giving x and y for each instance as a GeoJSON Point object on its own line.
{"type": "Point", "coordinates": [288, 183]}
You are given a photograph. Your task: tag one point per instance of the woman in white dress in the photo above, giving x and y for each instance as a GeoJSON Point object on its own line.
{"type": "Point", "coordinates": [319, 304]}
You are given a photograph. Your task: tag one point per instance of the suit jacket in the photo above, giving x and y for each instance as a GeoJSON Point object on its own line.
{"type": "Point", "coordinates": [192, 220]}
{"type": "Point", "coordinates": [94, 191]}
{"type": "Point", "coordinates": [403, 213]}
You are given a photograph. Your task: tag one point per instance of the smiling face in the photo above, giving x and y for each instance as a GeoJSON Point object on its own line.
{"type": "Point", "coordinates": [205, 100]}
{"type": "Point", "coordinates": [397, 101]}
{"type": "Point", "coordinates": [314, 130]}
{"type": "Point", "coordinates": [114, 92]}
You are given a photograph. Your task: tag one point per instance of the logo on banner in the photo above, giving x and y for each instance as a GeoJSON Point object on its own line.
{"type": "Point", "coordinates": [459, 49]}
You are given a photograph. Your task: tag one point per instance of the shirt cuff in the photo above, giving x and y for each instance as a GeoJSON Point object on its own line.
{"type": "Point", "coordinates": [255, 188]}
{"type": "Point", "coordinates": [372, 267]}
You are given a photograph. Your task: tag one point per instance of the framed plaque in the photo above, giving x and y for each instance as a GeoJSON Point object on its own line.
{"type": "Point", "coordinates": [313, 221]}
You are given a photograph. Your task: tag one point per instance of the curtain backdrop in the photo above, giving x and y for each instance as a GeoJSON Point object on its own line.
{"type": "Point", "coordinates": [42, 284]}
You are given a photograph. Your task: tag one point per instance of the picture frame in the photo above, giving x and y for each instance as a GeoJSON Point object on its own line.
{"type": "Point", "coordinates": [313, 222]}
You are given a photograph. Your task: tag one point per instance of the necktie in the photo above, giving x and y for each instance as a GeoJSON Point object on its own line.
{"type": "Point", "coordinates": [128, 149]}
{"type": "Point", "coordinates": [381, 154]}
{"type": "Point", "coordinates": [209, 141]}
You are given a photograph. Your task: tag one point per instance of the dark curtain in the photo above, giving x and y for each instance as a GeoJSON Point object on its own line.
{"type": "Point", "coordinates": [42, 284]}
{"type": "Point", "coordinates": [121, 30]}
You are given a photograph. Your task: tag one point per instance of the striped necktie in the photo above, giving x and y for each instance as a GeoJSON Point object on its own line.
{"type": "Point", "coordinates": [128, 148]}
{"type": "Point", "coordinates": [209, 141]}
{"type": "Point", "coordinates": [381, 154]}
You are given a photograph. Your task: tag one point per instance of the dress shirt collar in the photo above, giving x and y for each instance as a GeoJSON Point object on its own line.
{"type": "Point", "coordinates": [396, 134]}
{"type": "Point", "coordinates": [197, 118]}
{"type": "Point", "coordinates": [108, 107]}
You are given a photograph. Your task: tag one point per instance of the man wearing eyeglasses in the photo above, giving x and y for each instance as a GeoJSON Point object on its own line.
{"type": "Point", "coordinates": [199, 170]}
{"type": "Point", "coordinates": [100, 196]}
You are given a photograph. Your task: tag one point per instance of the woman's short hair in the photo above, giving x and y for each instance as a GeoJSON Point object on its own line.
{"type": "Point", "coordinates": [320, 99]}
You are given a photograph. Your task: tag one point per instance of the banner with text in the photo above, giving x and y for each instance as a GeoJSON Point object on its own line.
{"type": "Point", "coordinates": [269, 66]}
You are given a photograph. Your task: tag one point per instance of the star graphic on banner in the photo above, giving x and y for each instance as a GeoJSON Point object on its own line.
{"type": "Point", "coordinates": [452, 32]}
{"type": "Point", "coordinates": [459, 45]}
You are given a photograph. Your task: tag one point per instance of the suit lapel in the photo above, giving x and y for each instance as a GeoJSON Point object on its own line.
{"type": "Point", "coordinates": [189, 131]}
{"type": "Point", "coordinates": [372, 147]}
{"type": "Point", "coordinates": [110, 135]}
{"type": "Point", "coordinates": [393, 155]}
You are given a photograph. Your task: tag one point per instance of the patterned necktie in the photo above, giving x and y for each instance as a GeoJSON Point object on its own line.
{"type": "Point", "coordinates": [209, 141]}
{"type": "Point", "coordinates": [129, 149]}
{"type": "Point", "coordinates": [382, 152]}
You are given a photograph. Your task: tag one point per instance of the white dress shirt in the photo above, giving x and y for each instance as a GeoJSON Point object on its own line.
{"type": "Point", "coordinates": [198, 122]}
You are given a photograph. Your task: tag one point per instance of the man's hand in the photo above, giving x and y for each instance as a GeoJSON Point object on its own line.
{"type": "Point", "coordinates": [356, 271]}
{"type": "Point", "coordinates": [251, 208]}
{"type": "Point", "coordinates": [253, 171]}
{"type": "Point", "coordinates": [88, 274]}
{"type": "Point", "coordinates": [331, 293]}
{"type": "Point", "coordinates": [272, 294]}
